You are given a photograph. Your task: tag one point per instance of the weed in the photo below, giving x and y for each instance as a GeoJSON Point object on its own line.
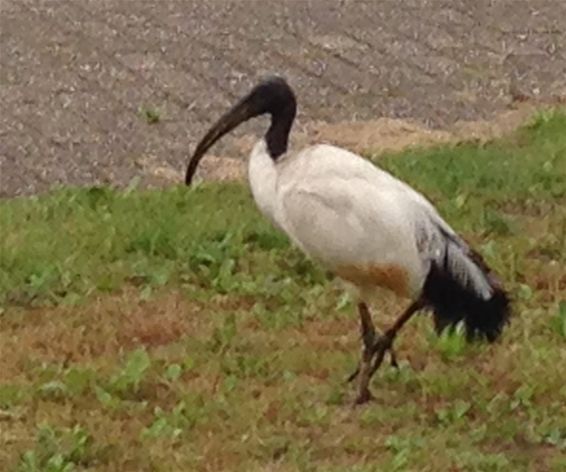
{"type": "Point", "coordinates": [170, 424]}
{"type": "Point", "coordinates": [402, 447]}
{"type": "Point", "coordinates": [453, 413]}
{"type": "Point", "coordinates": [173, 372]}
{"type": "Point", "coordinates": [451, 344]}
{"type": "Point", "coordinates": [129, 378]}
{"type": "Point", "coordinates": [53, 390]}
{"type": "Point", "coordinates": [10, 395]}
{"type": "Point", "coordinates": [150, 115]}
{"type": "Point", "coordinates": [559, 320]}
{"type": "Point", "coordinates": [482, 461]}
{"type": "Point", "coordinates": [223, 335]}
{"type": "Point", "coordinates": [125, 384]}
{"type": "Point", "coordinates": [59, 450]}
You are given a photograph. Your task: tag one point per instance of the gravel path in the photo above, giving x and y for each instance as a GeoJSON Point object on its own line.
{"type": "Point", "coordinates": [75, 73]}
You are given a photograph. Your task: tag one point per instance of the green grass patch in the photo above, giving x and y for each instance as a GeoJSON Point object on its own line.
{"type": "Point", "coordinates": [177, 330]}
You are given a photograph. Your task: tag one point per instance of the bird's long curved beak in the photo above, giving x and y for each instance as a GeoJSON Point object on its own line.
{"type": "Point", "coordinates": [242, 111]}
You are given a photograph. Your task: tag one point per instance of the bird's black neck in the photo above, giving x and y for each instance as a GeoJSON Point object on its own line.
{"type": "Point", "coordinates": [277, 136]}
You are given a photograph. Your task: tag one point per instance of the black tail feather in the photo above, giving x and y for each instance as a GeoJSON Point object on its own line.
{"type": "Point", "coordinates": [452, 303]}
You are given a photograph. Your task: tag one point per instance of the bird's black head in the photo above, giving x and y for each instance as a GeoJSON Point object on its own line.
{"type": "Point", "coordinates": [272, 95]}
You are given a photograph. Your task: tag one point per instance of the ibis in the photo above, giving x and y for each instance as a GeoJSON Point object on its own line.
{"type": "Point", "coordinates": [366, 227]}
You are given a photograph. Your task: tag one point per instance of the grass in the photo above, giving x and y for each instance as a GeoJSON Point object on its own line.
{"type": "Point", "coordinates": [176, 330]}
{"type": "Point", "coordinates": [150, 115]}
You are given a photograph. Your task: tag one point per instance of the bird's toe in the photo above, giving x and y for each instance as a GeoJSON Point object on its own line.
{"type": "Point", "coordinates": [353, 375]}
{"type": "Point", "coordinates": [364, 396]}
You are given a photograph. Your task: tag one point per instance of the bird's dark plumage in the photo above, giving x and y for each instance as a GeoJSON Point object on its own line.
{"type": "Point", "coordinates": [453, 302]}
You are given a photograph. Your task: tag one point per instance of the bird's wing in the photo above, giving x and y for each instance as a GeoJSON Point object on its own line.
{"type": "Point", "coordinates": [348, 222]}
{"type": "Point", "coordinates": [441, 246]}
{"type": "Point", "coordinates": [327, 163]}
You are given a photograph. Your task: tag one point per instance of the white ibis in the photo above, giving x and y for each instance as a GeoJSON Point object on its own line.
{"type": "Point", "coordinates": [363, 225]}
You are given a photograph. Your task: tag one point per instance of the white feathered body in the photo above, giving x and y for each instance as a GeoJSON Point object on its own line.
{"type": "Point", "coordinates": [357, 220]}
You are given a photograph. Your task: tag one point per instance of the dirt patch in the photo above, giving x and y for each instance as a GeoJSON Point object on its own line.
{"type": "Point", "coordinates": [393, 135]}
{"type": "Point", "coordinates": [103, 327]}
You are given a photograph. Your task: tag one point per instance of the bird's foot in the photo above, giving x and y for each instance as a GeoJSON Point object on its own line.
{"type": "Point", "coordinates": [364, 396]}
{"type": "Point", "coordinates": [375, 348]}
{"type": "Point", "coordinates": [371, 360]}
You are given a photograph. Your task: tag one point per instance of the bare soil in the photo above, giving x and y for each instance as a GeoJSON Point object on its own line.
{"type": "Point", "coordinates": [75, 74]}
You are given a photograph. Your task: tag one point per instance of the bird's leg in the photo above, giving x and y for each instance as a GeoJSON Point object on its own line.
{"type": "Point", "coordinates": [378, 348]}
{"type": "Point", "coordinates": [385, 342]}
{"type": "Point", "coordinates": [368, 337]}
{"type": "Point", "coordinates": [367, 331]}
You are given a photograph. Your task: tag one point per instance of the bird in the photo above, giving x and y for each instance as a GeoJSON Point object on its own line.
{"type": "Point", "coordinates": [364, 226]}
